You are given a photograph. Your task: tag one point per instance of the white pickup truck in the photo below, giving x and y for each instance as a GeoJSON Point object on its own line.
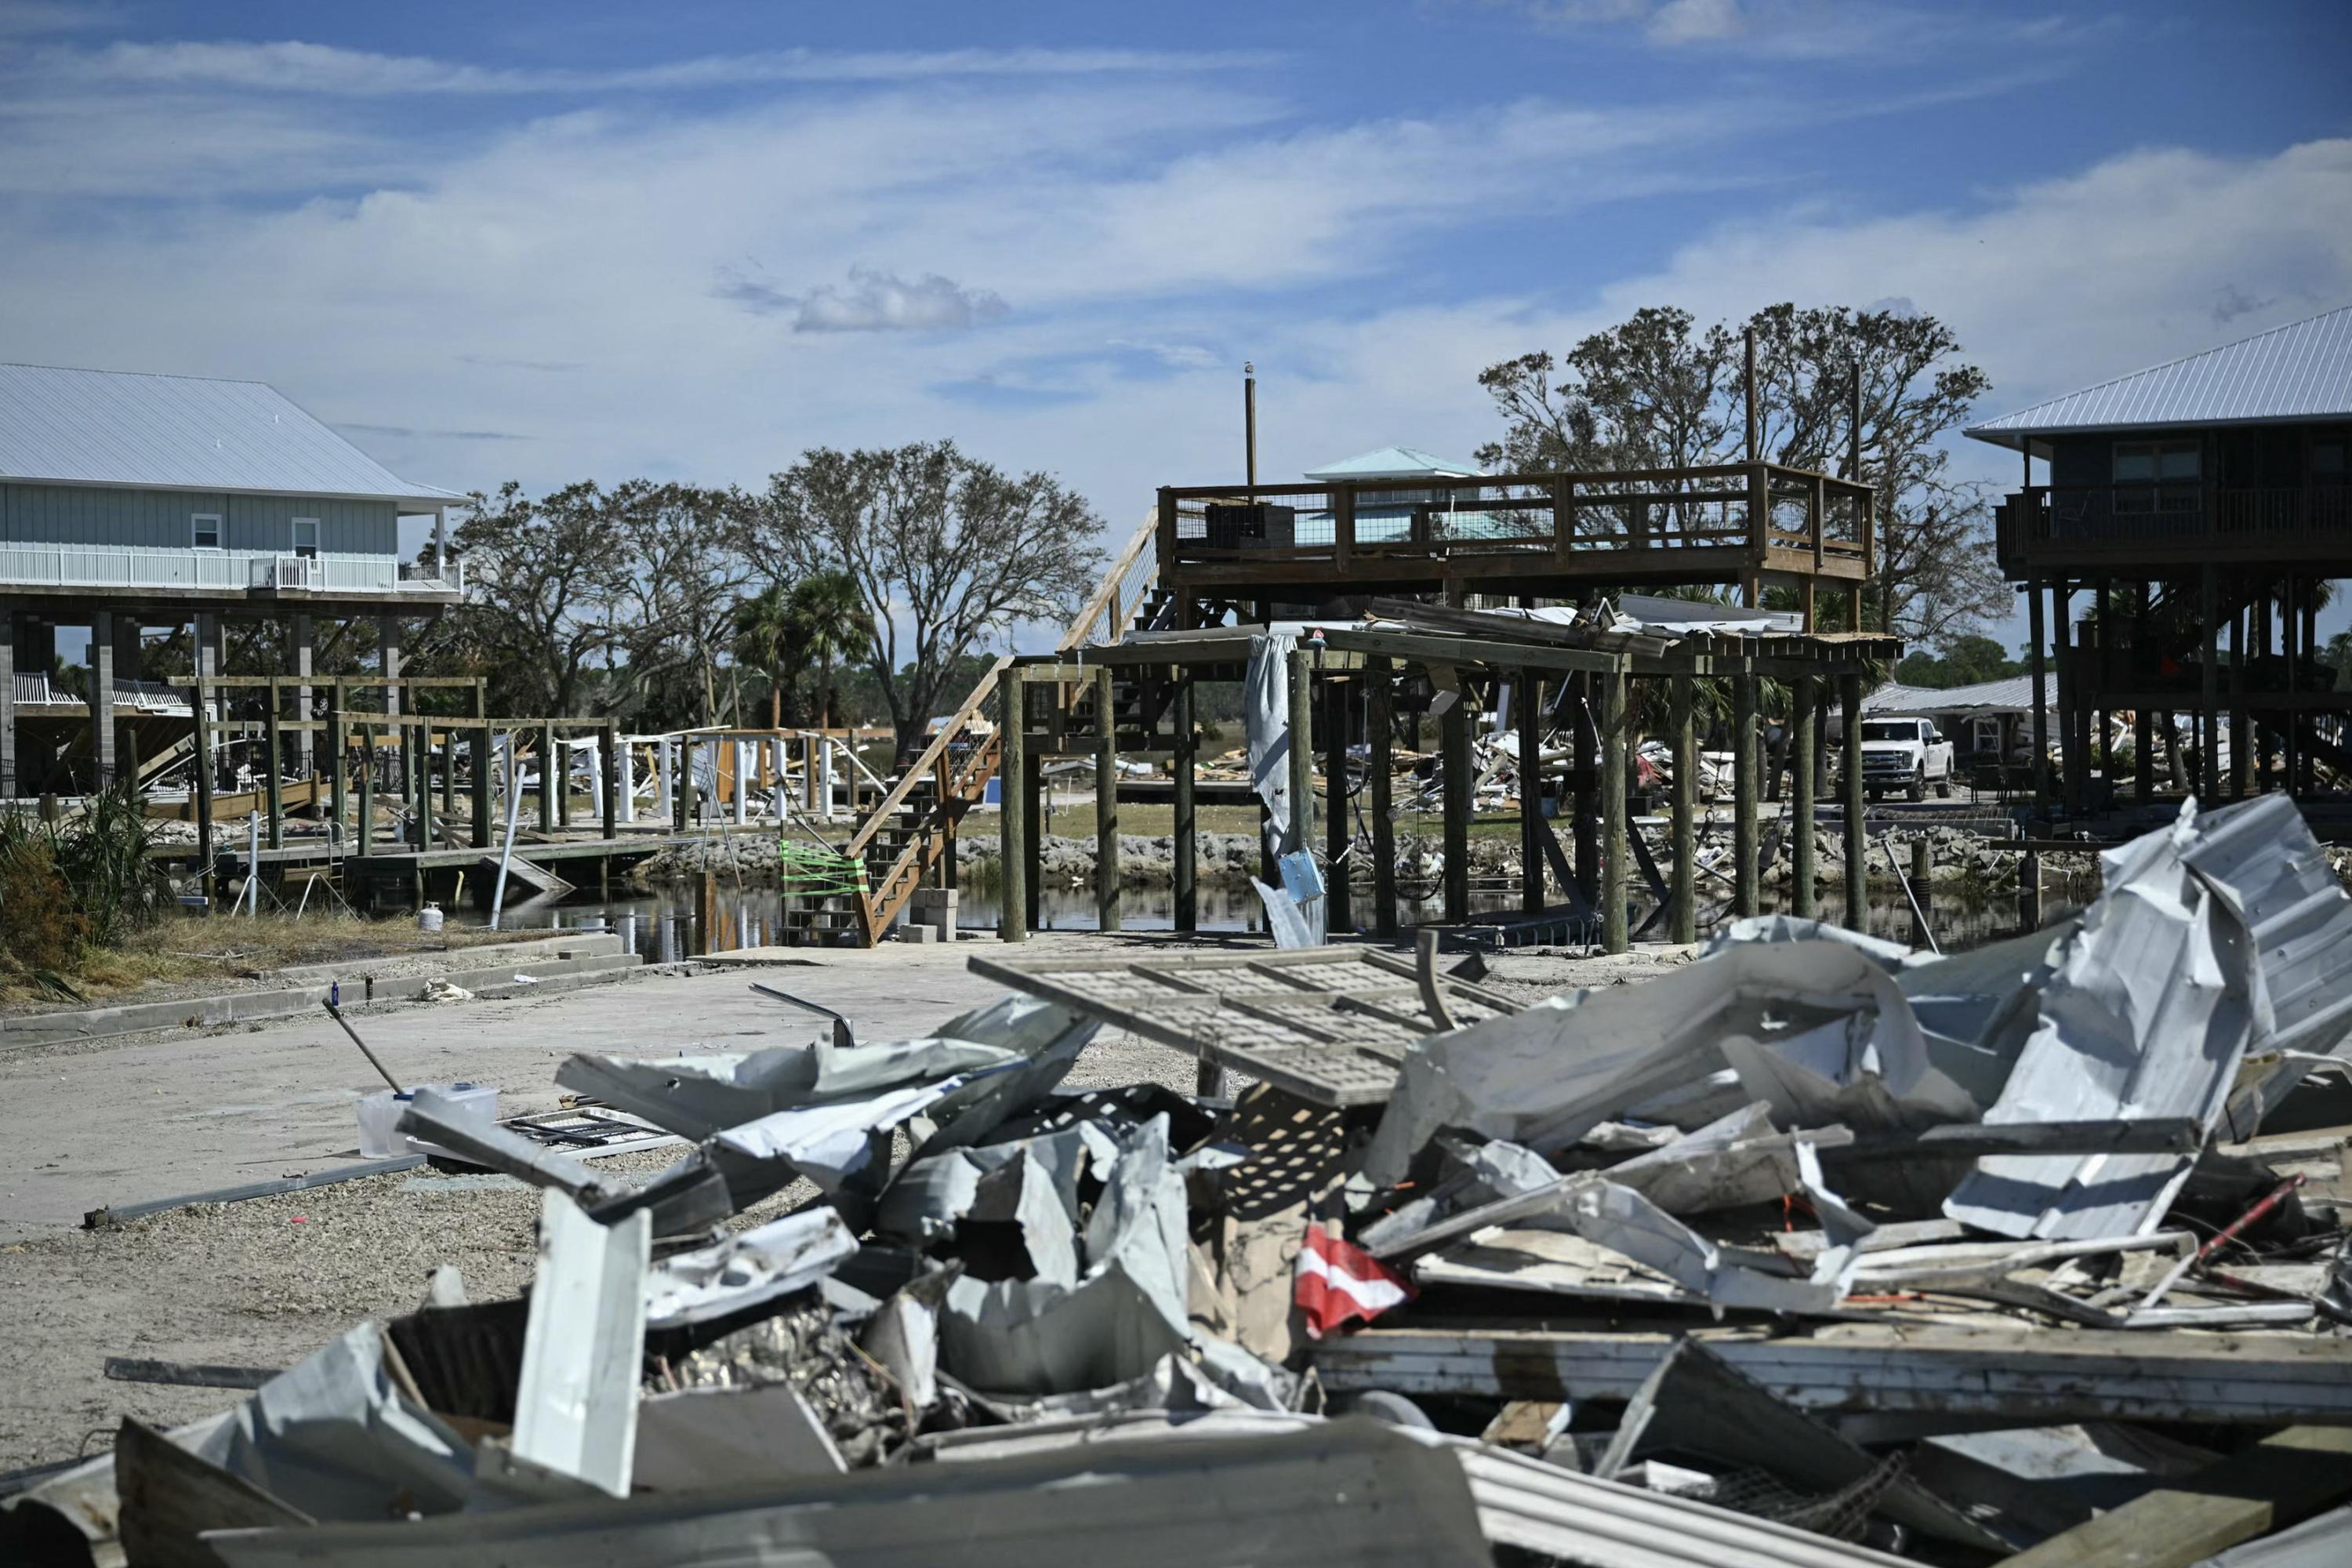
{"type": "Point", "coordinates": [1908, 755]}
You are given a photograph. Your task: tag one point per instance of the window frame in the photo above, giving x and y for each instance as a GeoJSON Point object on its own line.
{"type": "Point", "coordinates": [2155, 493]}
{"type": "Point", "coordinates": [294, 538]}
{"type": "Point", "coordinates": [196, 519]}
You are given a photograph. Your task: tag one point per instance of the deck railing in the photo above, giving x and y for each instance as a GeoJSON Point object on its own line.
{"type": "Point", "coordinates": [1753, 507]}
{"type": "Point", "coordinates": [2130, 517]}
{"type": "Point", "coordinates": [38, 565]}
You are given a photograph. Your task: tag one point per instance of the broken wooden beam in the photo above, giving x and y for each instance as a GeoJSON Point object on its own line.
{"type": "Point", "coordinates": [2285, 1477]}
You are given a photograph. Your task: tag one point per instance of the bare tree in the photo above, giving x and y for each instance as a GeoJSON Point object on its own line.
{"type": "Point", "coordinates": [944, 549]}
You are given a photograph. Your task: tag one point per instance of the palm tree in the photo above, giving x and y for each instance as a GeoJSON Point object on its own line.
{"type": "Point", "coordinates": [764, 640]}
{"type": "Point", "coordinates": [828, 618]}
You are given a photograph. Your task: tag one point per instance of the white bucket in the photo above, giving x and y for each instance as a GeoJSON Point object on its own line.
{"type": "Point", "coordinates": [428, 920]}
{"type": "Point", "coordinates": [380, 1134]}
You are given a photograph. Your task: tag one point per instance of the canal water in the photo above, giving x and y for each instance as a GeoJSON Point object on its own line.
{"type": "Point", "coordinates": [664, 925]}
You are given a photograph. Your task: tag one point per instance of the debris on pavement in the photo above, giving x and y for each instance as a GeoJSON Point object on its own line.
{"type": "Point", "coordinates": [1814, 1250]}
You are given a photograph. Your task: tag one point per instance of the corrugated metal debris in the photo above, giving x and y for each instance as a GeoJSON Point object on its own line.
{"type": "Point", "coordinates": [1813, 1251]}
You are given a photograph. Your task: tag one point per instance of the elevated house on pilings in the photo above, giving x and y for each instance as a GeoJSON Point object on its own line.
{"type": "Point", "coordinates": [133, 501]}
{"type": "Point", "coordinates": [2193, 519]}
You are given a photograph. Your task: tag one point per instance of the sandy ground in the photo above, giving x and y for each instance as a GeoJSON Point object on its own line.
{"type": "Point", "coordinates": [262, 1283]}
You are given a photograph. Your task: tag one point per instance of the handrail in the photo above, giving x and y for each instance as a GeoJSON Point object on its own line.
{"type": "Point", "coordinates": [1531, 481]}
{"type": "Point", "coordinates": [1074, 635]}
{"type": "Point", "coordinates": [920, 768]}
{"type": "Point", "coordinates": [1105, 595]}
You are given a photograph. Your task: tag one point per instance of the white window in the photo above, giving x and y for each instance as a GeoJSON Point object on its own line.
{"type": "Point", "coordinates": [306, 538]}
{"type": "Point", "coordinates": [2139, 462]}
{"type": "Point", "coordinates": [204, 531]}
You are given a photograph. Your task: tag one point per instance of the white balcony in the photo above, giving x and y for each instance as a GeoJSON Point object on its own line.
{"type": "Point", "coordinates": [217, 570]}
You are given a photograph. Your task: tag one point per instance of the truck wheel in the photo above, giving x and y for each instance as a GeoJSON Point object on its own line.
{"type": "Point", "coordinates": [1944, 787]}
{"type": "Point", "coordinates": [1918, 790]}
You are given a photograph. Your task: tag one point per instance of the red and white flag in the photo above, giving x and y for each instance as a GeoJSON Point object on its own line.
{"type": "Point", "coordinates": [1339, 1283]}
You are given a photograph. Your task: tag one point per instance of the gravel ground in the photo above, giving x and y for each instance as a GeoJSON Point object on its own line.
{"type": "Point", "coordinates": [264, 1282]}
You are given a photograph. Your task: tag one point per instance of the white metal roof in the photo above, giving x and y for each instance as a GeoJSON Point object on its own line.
{"type": "Point", "coordinates": [1394, 463]}
{"type": "Point", "coordinates": [2013, 694]}
{"type": "Point", "coordinates": [2298, 372]}
{"type": "Point", "coordinates": [179, 432]}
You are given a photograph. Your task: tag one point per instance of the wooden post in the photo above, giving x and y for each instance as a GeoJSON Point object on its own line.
{"type": "Point", "coordinates": [2039, 637]}
{"type": "Point", "coordinates": [1302, 753]}
{"type": "Point", "coordinates": [364, 839]}
{"type": "Point", "coordinates": [1857, 874]}
{"type": "Point", "coordinates": [1683, 915]}
{"type": "Point", "coordinates": [1453, 762]}
{"type": "Point", "coordinates": [422, 793]}
{"type": "Point", "coordinates": [2208, 590]}
{"type": "Point", "coordinates": [1339, 827]}
{"type": "Point", "coordinates": [2242, 751]}
{"type": "Point", "coordinates": [2029, 890]}
{"type": "Point", "coordinates": [548, 787]}
{"type": "Point", "coordinates": [1746, 896]}
{"type": "Point", "coordinates": [681, 794]}
{"type": "Point", "coordinates": [1586, 828]}
{"type": "Point", "coordinates": [1614, 850]}
{"type": "Point", "coordinates": [448, 770]}
{"type": "Point", "coordinates": [1380, 725]}
{"type": "Point", "coordinates": [1186, 827]}
{"type": "Point", "coordinates": [273, 791]}
{"type": "Point", "coordinates": [480, 750]}
{"type": "Point", "coordinates": [337, 771]}
{"type": "Point", "coordinates": [1105, 804]}
{"type": "Point", "coordinates": [1923, 898]}
{"type": "Point", "coordinates": [2061, 636]}
{"type": "Point", "coordinates": [1531, 790]}
{"type": "Point", "coordinates": [203, 772]}
{"type": "Point", "coordinates": [1804, 740]}
{"type": "Point", "coordinates": [1014, 826]}
{"type": "Point", "coordinates": [608, 757]}
{"type": "Point", "coordinates": [1032, 876]}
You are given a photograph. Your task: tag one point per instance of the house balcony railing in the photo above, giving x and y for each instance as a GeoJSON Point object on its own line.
{"type": "Point", "coordinates": [35, 566]}
{"type": "Point", "coordinates": [2170, 518]}
{"type": "Point", "coordinates": [1506, 523]}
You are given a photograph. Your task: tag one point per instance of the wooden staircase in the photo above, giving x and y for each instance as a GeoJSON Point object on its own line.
{"type": "Point", "coordinates": [911, 829]}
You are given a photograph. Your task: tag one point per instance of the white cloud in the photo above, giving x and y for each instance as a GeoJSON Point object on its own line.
{"type": "Point", "coordinates": [292, 66]}
{"type": "Point", "coordinates": [1696, 21]}
{"type": "Point", "coordinates": [877, 301]}
{"type": "Point", "coordinates": [1808, 29]}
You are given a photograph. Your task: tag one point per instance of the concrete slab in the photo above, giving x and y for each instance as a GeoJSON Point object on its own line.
{"type": "Point", "coordinates": [93, 1122]}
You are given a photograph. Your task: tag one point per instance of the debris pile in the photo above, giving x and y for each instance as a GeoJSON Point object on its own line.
{"type": "Point", "coordinates": [1815, 1249]}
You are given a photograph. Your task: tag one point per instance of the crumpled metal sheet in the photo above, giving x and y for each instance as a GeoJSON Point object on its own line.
{"type": "Point", "coordinates": [576, 1407]}
{"type": "Point", "coordinates": [1265, 722]}
{"type": "Point", "coordinates": [333, 1436]}
{"type": "Point", "coordinates": [759, 1265]}
{"type": "Point", "coordinates": [1120, 1315]}
{"type": "Point", "coordinates": [2149, 1012]}
{"type": "Point", "coordinates": [1815, 1027]}
{"type": "Point", "coordinates": [1624, 1221]}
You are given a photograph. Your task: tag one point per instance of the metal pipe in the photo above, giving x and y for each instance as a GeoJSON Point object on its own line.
{"type": "Point", "coordinates": [337, 1014]}
{"type": "Point", "coordinates": [514, 815]}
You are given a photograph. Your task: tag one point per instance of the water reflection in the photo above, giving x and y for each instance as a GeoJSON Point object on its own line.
{"type": "Point", "coordinates": [664, 926]}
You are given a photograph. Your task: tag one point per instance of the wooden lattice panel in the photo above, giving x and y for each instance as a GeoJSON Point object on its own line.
{"type": "Point", "coordinates": [1332, 1025]}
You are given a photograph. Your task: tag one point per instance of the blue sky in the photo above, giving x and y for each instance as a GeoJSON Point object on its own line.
{"type": "Point", "coordinates": [548, 242]}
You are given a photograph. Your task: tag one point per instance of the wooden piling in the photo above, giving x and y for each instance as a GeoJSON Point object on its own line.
{"type": "Point", "coordinates": [479, 749]}
{"type": "Point", "coordinates": [1105, 804]}
{"type": "Point", "coordinates": [1032, 876]}
{"type": "Point", "coordinates": [1380, 725]}
{"type": "Point", "coordinates": [608, 757]}
{"type": "Point", "coordinates": [1857, 874]}
{"type": "Point", "coordinates": [422, 791]}
{"type": "Point", "coordinates": [2038, 637]}
{"type": "Point", "coordinates": [681, 794]}
{"type": "Point", "coordinates": [273, 791]}
{"type": "Point", "coordinates": [550, 781]}
{"type": "Point", "coordinates": [1528, 696]}
{"type": "Point", "coordinates": [338, 774]}
{"type": "Point", "coordinates": [206, 873]}
{"type": "Point", "coordinates": [1186, 827]}
{"type": "Point", "coordinates": [1013, 826]}
{"type": "Point", "coordinates": [363, 837]}
{"type": "Point", "coordinates": [1683, 895]}
{"type": "Point", "coordinates": [1804, 740]}
{"type": "Point", "coordinates": [2029, 890]}
{"type": "Point", "coordinates": [1453, 763]}
{"type": "Point", "coordinates": [1922, 898]}
{"type": "Point", "coordinates": [1339, 829]}
{"type": "Point", "coordinates": [1302, 751]}
{"type": "Point", "coordinates": [1746, 894]}
{"type": "Point", "coordinates": [1585, 829]}
{"type": "Point", "coordinates": [1614, 848]}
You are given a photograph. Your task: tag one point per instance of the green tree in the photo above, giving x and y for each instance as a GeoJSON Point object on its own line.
{"type": "Point", "coordinates": [827, 618]}
{"type": "Point", "coordinates": [763, 641]}
{"type": "Point", "coordinates": [1965, 660]}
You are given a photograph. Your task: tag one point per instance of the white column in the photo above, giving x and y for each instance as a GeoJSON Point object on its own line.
{"type": "Point", "coordinates": [824, 777]}
{"type": "Point", "coordinates": [302, 738]}
{"type": "Point", "coordinates": [597, 785]}
{"type": "Point", "coordinates": [742, 749]}
{"type": "Point", "coordinates": [441, 542]}
{"type": "Point", "coordinates": [627, 766]}
{"type": "Point", "coordinates": [783, 788]}
{"type": "Point", "coordinates": [665, 805]}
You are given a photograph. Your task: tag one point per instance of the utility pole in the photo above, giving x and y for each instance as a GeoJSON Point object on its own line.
{"type": "Point", "coordinates": [1249, 421]}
